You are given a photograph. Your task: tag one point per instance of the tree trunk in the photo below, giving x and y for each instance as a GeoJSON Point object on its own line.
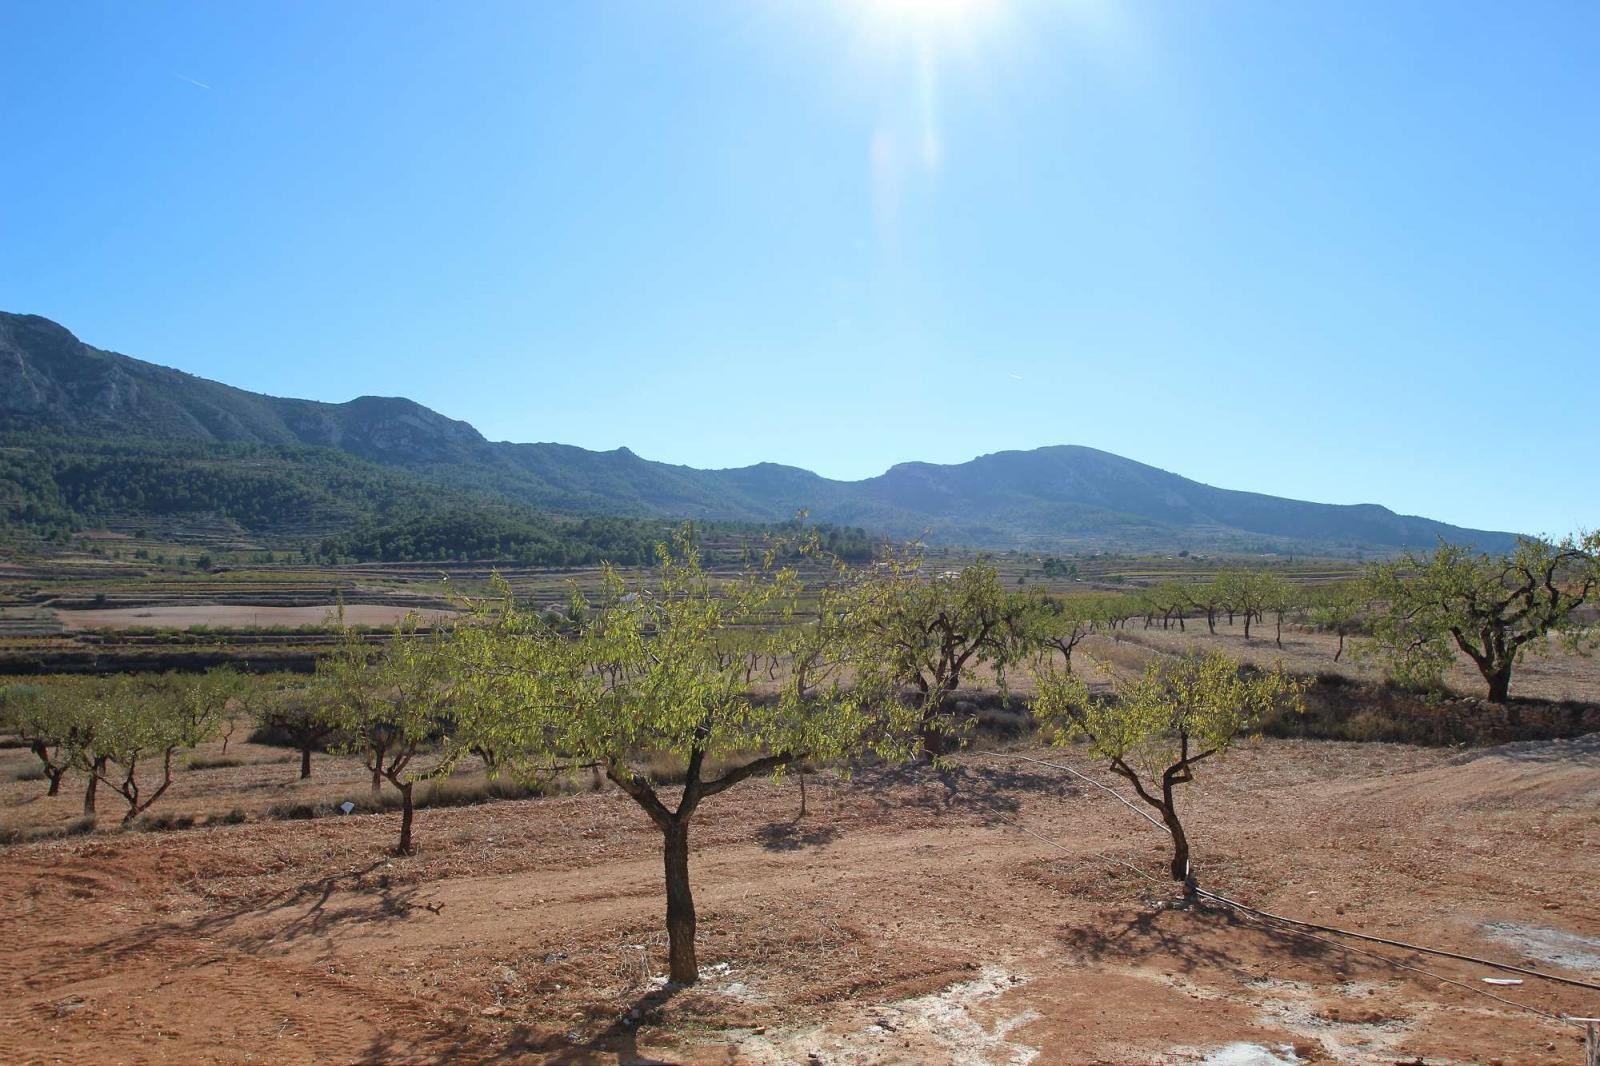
{"type": "Point", "coordinates": [802, 813]}
{"type": "Point", "coordinates": [377, 778]}
{"type": "Point", "coordinates": [93, 787]}
{"type": "Point", "coordinates": [1180, 846]}
{"type": "Point", "coordinates": [305, 760]}
{"type": "Point", "coordinates": [1180, 869]}
{"type": "Point", "coordinates": [1341, 647]}
{"type": "Point", "coordinates": [928, 731]}
{"type": "Point", "coordinates": [682, 968]}
{"type": "Point", "coordinates": [1211, 622]}
{"type": "Point", "coordinates": [1499, 679]}
{"type": "Point", "coordinates": [1247, 616]}
{"type": "Point", "coordinates": [405, 819]}
{"type": "Point", "coordinates": [52, 774]}
{"type": "Point", "coordinates": [1279, 637]}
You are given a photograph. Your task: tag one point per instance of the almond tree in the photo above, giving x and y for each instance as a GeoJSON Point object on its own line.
{"type": "Point", "coordinates": [1338, 609]}
{"type": "Point", "coordinates": [1247, 593]}
{"type": "Point", "coordinates": [349, 699]}
{"type": "Point", "coordinates": [928, 631]}
{"type": "Point", "coordinates": [1156, 728]}
{"type": "Point", "coordinates": [646, 670]}
{"type": "Point", "coordinates": [202, 702]}
{"type": "Point", "coordinates": [42, 720]}
{"type": "Point", "coordinates": [1280, 596]}
{"type": "Point", "coordinates": [1210, 597]}
{"type": "Point", "coordinates": [83, 708]}
{"type": "Point", "coordinates": [292, 712]}
{"type": "Point", "coordinates": [395, 707]}
{"type": "Point", "coordinates": [1059, 625]}
{"type": "Point", "coordinates": [143, 722]}
{"type": "Point", "coordinates": [1490, 607]}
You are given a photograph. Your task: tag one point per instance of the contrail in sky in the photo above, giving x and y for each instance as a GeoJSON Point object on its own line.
{"type": "Point", "coordinates": [191, 81]}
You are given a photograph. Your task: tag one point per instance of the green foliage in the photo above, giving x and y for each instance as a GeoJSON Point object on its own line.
{"type": "Point", "coordinates": [499, 534]}
{"type": "Point", "coordinates": [1159, 725]}
{"type": "Point", "coordinates": [391, 704]}
{"type": "Point", "coordinates": [62, 483]}
{"type": "Point", "coordinates": [1340, 609]}
{"type": "Point", "coordinates": [1178, 710]}
{"type": "Point", "coordinates": [1490, 607]}
{"type": "Point", "coordinates": [928, 631]}
{"type": "Point", "coordinates": [646, 668]}
{"type": "Point", "coordinates": [1054, 567]}
{"type": "Point", "coordinates": [660, 667]}
{"type": "Point", "coordinates": [200, 703]}
{"type": "Point", "coordinates": [1056, 626]}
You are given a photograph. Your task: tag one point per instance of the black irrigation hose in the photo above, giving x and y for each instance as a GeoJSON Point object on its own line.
{"type": "Point", "coordinates": [1252, 915]}
{"type": "Point", "coordinates": [1400, 943]}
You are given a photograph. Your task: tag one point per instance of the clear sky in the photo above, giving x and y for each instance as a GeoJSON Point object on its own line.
{"type": "Point", "coordinates": [1341, 251]}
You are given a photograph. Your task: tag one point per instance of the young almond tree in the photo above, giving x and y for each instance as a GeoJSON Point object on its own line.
{"type": "Point", "coordinates": [81, 710]}
{"type": "Point", "coordinates": [202, 702]}
{"type": "Point", "coordinates": [1338, 609]}
{"type": "Point", "coordinates": [143, 722]}
{"type": "Point", "coordinates": [1156, 728]}
{"type": "Point", "coordinates": [647, 670]}
{"type": "Point", "coordinates": [1245, 592]}
{"type": "Point", "coordinates": [1490, 607]}
{"type": "Point", "coordinates": [1057, 626]}
{"type": "Point", "coordinates": [928, 631]}
{"type": "Point", "coordinates": [395, 707]}
{"type": "Point", "coordinates": [350, 699]}
{"type": "Point", "coordinates": [1280, 596]}
{"type": "Point", "coordinates": [289, 710]}
{"type": "Point", "coordinates": [46, 723]}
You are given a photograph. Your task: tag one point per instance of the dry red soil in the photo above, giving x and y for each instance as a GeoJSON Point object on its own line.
{"type": "Point", "coordinates": [908, 918]}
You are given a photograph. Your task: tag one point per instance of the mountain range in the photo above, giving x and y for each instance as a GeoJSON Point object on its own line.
{"type": "Point", "coordinates": [57, 393]}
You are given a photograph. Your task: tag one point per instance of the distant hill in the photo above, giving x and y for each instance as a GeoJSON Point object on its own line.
{"type": "Point", "coordinates": [59, 396]}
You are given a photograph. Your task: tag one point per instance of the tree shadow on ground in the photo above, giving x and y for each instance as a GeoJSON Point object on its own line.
{"type": "Point", "coordinates": [1200, 938]}
{"type": "Point", "coordinates": [620, 1037]}
{"type": "Point", "coordinates": [792, 836]}
{"type": "Point", "coordinates": [989, 795]}
{"type": "Point", "coordinates": [310, 908]}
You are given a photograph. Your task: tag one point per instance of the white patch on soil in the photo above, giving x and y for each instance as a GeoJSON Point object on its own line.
{"type": "Point", "coordinates": [934, 1028]}
{"type": "Point", "coordinates": [1345, 1023]}
{"type": "Point", "coordinates": [1556, 946]}
{"type": "Point", "coordinates": [1242, 1054]}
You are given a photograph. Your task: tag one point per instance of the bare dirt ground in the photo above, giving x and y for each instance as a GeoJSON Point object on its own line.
{"type": "Point", "coordinates": [906, 919]}
{"type": "Point", "coordinates": [182, 617]}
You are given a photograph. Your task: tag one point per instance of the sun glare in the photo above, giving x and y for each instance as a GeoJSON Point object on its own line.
{"type": "Point", "coordinates": [948, 14]}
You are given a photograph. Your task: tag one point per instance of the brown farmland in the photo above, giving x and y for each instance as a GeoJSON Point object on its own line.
{"type": "Point", "coordinates": [906, 919]}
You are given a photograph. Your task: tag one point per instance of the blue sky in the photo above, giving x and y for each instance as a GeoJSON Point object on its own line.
{"type": "Point", "coordinates": [1340, 251]}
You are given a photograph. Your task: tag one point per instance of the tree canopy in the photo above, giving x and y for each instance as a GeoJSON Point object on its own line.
{"type": "Point", "coordinates": [1491, 608]}
{"type": "Point", "coordinates": [644, 669]}
{"type": "Point", "coordinates": [1157, 726]}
